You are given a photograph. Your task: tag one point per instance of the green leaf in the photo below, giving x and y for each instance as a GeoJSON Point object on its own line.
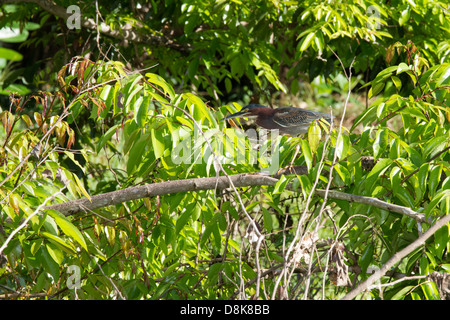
{"type": "Point", "coordinates": [432, 259]}
{"type": "Point", "coordinates": [435, 178]}
{"type": "Point", "coordinates": [402, 67]}
{"type": "Point", "coordinates": [169, 235]}
{"type": "Point", "coordinates": [380, 143]}
{"type": "Point", "coordinates": [314, 136]}
{"type": "Point", "coordinates": [376, 89]}
{"type": "Point", "coordinates": [386, 73]}
{"type": "Point", "coordinates": [139, 111]}
{"type": "Point", "coordinates": [212, 223]}
{"type": "Point", "coordinates": [136, 152]}
{"type": "Point", "coordinates": [397, 82]}
{"type": "Point", "coordinates": [228, 85]}
{"type": "Point", "coordinates": [71, 185]}
{"type": "Point", "coordinates": [404, 196]}
{"type": "Point", "coordinates": [184, 217]}
{"type": "Point", "coordinates": [106, 137]}
{"type": "Point", "coordinates": [366, 258]}
{"type": "Point", "coordinates": [81, 187]}
{"type": "Point", "coordinates": [430, 291]}
{"type": "Point", "coordinates": [306, 152]}
{"type": "Point", "coordinates": [50, 225]}
{"type": "Point", "coordinates": [319, 42]}
{"type": "Point", "coordinates": [217, 236]}
{"type": "Point", "coordinates": [36, 246]}
{"type": "Point", "coordinates": [71, 156]}
{"type": "Point", "coordinates": [66, 246]}
{"type": "Point", "coordinates": [159, 81]}
{"type": "Point", "coordinates": [12, 34]}
{"type": "Point", "coordinates": [443, 76]}
{"type": "Point", "coordinates": [306, 42]}
{"type": "Point", "coordinates": [50, 265]}
{"type": "Point", "coordinates": [161, 290]}
{"type": "Point", "coordinates": [280, 185]}
{"type": "Point", "coordinates": [395, 178]}
{"type": "Point", "coordinates": [55, 253]}
{"type": "Point", "coordinates": [366, 117]}
{"type": "Point", "coordinates": [28, 187]}
{"type": "Point", "coordinates": [213, 272]}
{"type": "Point", "coordinates": [10, 54]}
{"type": "Point", "coordinates": [343, 173]}
{"type": "Point", "coordinates": [412, 260]}
{"type": "Point", "coordinates": [198, 108]}
{"type": "Point", "coordinates": [171, 269]}
{"type": "Point", "coordinates": [16, 88]}
{"type": "Point", "coordinates": [441, 241]}
{"type": "Point", "coordinates": [434, 146]}
{"type": "Point", "coordinates": [305, 184]}
{"type": "Point", "coordinates": [446, 267]}
{"type": "Point", "coordinates": [400, 295]}
{"type": "Point", "coordinates": [131, 98]}
{"type": "Point", "coordinates": [395, 149]}
{"type": "Point", "coordinates": [158, 143]}
{"type": "Point", "coordinates": [380, 110]}
{"type": "Point", "coordinates": [342, 146]}
{"type": "Point", "coordinates": [438, 197]}
{"type": "Point", "coordinates": [268, 221]}
{"type": "Point", "coordinates": [68, 228]}
{"type": "Point", "coordinates": [193, 67]}
{"type": "Point", "coordinates": [404, 17]}
{"type": "Point", "coordinates": [422, 175]}
{"type": "Point", "coordinates": [105, 94]}
{"type": "Point", "coordinates": [378, 170]}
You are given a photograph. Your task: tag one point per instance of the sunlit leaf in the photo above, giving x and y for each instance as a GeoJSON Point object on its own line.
{"type": "Point", "coordinates": [306, 42]}
{"type": "Point", "coordinates": [158, 143]}
{"type": "Point", "coordinates": [64, 245]}
{"type": "Point", "coordinates": [68, 228]}
{"type": "Point", "coordinates": [314, 136]}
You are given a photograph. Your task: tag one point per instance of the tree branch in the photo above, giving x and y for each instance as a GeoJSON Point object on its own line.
{"type": "Point", "coordinates": [162, 188]}
{"type": "Point", "coordinates": [220, 183]}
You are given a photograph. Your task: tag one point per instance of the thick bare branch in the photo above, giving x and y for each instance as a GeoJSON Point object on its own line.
{"type": "Point", "coordinates": [197, 184]}
{"type": "Point", "coordinates": [168, 187]}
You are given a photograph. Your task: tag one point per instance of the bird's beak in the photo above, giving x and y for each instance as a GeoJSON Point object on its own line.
{"type": "Point", "coordinates": [235, 115]}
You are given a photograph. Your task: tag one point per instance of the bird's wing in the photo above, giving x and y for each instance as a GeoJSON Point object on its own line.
{"type": "Point", "coordinates": [292, 117]}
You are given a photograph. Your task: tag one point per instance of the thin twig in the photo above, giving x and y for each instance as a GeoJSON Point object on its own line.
{"type": "Point", "coordinates": [25, 222]}
{"type": "Point", "coordinates": [382, 285]}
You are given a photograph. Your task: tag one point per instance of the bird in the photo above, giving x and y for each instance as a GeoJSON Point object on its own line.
{"type": "Point", "coordinates": [288, 120]}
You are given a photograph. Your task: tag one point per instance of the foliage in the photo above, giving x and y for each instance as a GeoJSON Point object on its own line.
{"type": "Point", "coordinates": [164, 247]}
{"type": "Point", "coordinates": [13, 32]}
{"type": "Point", "coordinates": [230, 50]}
{"type": "Point", "coordinates": [103, 128]}
{"type": "Point", "coordinates": [412, 167]}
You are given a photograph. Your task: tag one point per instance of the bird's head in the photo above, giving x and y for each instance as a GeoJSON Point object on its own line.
{"type": "Point", "coordinates": [250, 111]}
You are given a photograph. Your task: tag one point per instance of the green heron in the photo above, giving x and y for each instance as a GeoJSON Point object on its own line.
{"type": "Point", "coordinates": [288, 120]}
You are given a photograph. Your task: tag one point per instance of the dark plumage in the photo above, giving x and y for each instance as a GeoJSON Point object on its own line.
{"type": "Point", "coordinates": [288, 120]}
